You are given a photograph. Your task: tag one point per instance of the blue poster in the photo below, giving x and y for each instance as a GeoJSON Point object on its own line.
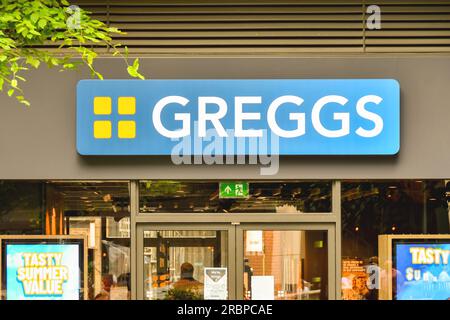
{"type": "Point", "coordinates": [42, 272]}
{"type": "Point", "coordinates": [422, 271]}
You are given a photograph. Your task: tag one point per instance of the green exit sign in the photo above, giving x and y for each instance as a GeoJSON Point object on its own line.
{"type": "Point", "coordinates": [233, 190]}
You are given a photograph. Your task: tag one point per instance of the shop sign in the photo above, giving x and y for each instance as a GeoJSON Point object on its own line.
{"type": "Point", "coordinates": [233, 190]}
{"type": "Point", "coordinates": [238, 117]}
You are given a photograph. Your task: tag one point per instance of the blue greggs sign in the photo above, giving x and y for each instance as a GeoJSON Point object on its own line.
{"type": "Point", "coordinates": [285, 117]}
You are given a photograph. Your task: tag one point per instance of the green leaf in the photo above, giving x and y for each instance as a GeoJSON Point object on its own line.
{"type": "Point", "coordinates": [27, 24]}
{"type": "Point", "coordinates": [33, 32]}
{"type": "Point", "coordinates": [90, 59]}
{"type": "Point", "coordinates": [33, 61]}
{"type": "Point", "coordinates": [132, 71]}
{"type": "Point", "coordinates": [54, 61]}
{"type": "Point", "coordinates": [42, 23]}
{"type": "Point", "coordinates": [136, 64]}
{"type": "Point", "coordinates": [34, 17]}
{"type": "Point", "coordinates": [68, 65]}
{"type": "Point", "coordinates": [25, 102]}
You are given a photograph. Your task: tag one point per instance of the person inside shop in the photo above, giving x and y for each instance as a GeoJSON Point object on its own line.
{"type": "Point", "coordinates": [187, 282]}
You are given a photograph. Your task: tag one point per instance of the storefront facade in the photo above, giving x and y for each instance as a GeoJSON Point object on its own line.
{"type": "Point", "coordinates": [309, 231]}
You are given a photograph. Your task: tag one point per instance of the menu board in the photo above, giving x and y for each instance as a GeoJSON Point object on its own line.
{"type": "Point", "coordinates": [422, 271]}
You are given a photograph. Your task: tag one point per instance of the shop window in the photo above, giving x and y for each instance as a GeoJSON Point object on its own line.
{"type": "Point", "coordinates": [380, 219]}
{"type": "Point", "coordinates": [100, 211]}
{"type": "Point", "coordinates": [263, 197]}
{"type": "Point", "coordinates": [96, 211]}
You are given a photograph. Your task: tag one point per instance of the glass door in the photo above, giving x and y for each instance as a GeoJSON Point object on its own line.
{"type": "Point", "coordinates": [285, 262]}
{"type": "Point", "coordinates": [185, 262]}
{"type": "Point", "coordinates": [264, 261]}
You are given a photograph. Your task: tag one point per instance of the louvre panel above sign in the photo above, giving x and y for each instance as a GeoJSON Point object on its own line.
{"type": "Point", "coordinates": [264, 27]}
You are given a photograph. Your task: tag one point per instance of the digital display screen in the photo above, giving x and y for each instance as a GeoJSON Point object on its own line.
{"type": "Point", "coordinates": [42, 271]}
{"type": "Point", "coordinates": [421, 271]}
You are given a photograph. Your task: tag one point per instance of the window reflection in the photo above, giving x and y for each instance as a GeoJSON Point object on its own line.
{"type": "Point", "coordinates": [264, 197]}
{"type": "Point", "coordinates": [21, 207]}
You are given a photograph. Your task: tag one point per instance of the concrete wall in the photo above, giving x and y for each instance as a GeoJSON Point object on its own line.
{"type": "Point", "coordinates": [39, 142]}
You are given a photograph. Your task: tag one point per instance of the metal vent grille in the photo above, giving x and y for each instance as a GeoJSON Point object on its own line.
{"type": "Point", "coordinates": [286, 26]}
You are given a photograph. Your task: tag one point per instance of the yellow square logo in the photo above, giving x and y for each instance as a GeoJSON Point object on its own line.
{"type": "Point", "coordinates": [102, 129]}
{"type": "Point", "coordinates": [102, 105]}
{"type": "Point", "coordinates": [127, 130]}
{"type": "Point", "coordinates": [127, 105]}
